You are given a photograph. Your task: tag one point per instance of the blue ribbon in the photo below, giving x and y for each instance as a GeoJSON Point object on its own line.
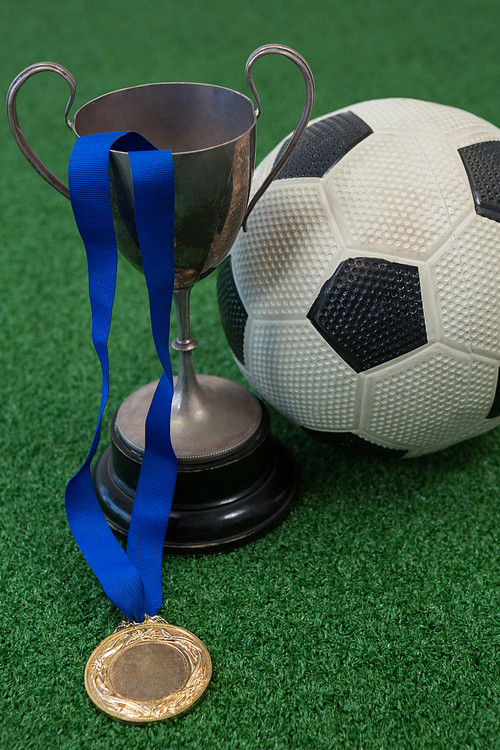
{"type": "Point", "coordinates": [131, 579]}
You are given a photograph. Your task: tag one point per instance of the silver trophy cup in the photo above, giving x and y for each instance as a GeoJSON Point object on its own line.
{"type": "Point", "coordinates": [235, 481]}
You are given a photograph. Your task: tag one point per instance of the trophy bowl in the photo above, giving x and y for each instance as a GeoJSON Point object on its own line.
{"type": "Point", "coordinates": [235, 480]}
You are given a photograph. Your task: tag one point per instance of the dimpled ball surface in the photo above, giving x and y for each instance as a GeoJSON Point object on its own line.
{"type": "Point", "coordinates": [363, 302]}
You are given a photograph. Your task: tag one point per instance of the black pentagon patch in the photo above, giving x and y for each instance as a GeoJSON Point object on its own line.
{"type": "Point", "coordinates": [349, 441]}
{"type": "Point", "coordinates": [232, 313]}
{"type": "Point", "coordinates": [495, 407]}
{"type": "Point", "coordinates": [370, 311]}
{"type": "Point", "coordinates": [482, 163]}
{"type": "Point", "coordinates": [323, 144]}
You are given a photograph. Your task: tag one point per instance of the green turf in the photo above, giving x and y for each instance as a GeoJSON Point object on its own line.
{"type": "Point", "coordinates": [370, 618]}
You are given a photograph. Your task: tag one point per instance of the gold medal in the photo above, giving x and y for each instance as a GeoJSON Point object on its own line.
{"type": "Point", "coordinates": [148, 671]}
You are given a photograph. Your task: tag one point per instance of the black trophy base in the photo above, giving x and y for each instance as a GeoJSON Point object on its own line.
{"type": "Point", "coordinates": [217, 505]}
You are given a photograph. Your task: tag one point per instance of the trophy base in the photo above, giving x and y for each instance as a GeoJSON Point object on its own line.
{"type": "Point", "coordinates": [219, 504]}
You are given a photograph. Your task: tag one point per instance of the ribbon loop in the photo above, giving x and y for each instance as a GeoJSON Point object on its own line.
{"type": "Point", "coordinates": [131, 579]}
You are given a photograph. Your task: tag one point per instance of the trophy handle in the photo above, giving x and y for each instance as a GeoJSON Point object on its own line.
{"type": "Point", "coordinates": [18, 134]}
{"type": "Point", "coordinates": [281, 49]}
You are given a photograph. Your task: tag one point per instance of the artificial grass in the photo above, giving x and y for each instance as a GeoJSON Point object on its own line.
{"type": "Point", "coordinates": [369, 619]}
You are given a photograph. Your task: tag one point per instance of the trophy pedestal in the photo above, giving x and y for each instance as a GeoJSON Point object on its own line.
{"type": "Point", "coordinates": [234, 483]}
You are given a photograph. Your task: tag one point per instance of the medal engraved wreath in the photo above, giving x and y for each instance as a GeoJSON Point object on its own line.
{"type": "Point", "coordinates": [193, 674]}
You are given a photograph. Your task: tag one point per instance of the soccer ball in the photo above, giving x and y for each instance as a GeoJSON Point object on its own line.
{"type": "Point", "coordinates": [363, 302]}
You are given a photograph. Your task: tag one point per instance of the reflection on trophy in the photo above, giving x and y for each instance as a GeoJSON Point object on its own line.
{"type": "Point", "coordinates": [235, 480]}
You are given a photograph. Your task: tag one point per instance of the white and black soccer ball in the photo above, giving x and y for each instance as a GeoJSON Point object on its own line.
{"type": "Point", "coordinates": [363, 303]}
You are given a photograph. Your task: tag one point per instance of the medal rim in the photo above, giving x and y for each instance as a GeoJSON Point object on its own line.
{"type": "Point", "coordinates": [100, 689]}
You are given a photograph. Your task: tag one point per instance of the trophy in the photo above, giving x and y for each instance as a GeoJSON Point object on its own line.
{"type": "Point", "coordinates": [235, 480]}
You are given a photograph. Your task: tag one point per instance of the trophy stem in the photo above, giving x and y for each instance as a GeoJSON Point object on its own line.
{"type": "Point", "coordinates": [181, 304]}
{"type": "Point", "coordinates": [210, 416]}
{"type": "Point", "coordinates": [188, 394]}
